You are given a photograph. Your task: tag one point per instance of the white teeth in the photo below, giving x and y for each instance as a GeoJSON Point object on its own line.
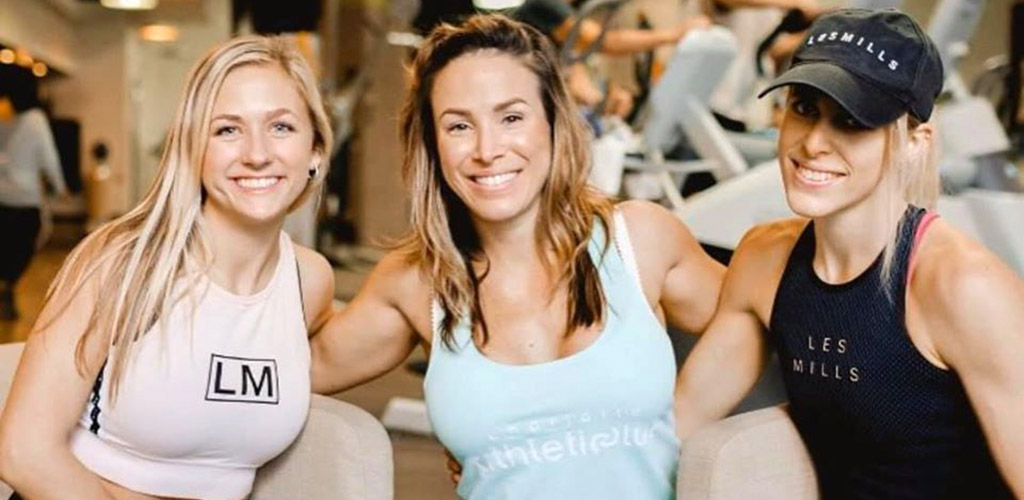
{"type": "Point", "coordinates": [256, 182]}
{"type": "Point", "coordinates": [494, 180]}
{"type": "Point", "coordinates": [816, 175]}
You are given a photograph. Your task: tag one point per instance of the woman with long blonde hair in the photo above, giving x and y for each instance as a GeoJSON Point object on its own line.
{"type": "Point", "coordinates": [900, 339]}
{"type": "Point", "coordinates": [542, 303]}
{"type": "Point", "coordinates": [171, 358]}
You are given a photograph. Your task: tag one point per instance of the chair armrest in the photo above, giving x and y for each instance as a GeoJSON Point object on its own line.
{"type": "Point", "coordinates": [756, 454]}
{"type": "Point", "coordinates": [10, 355]}
{"type": "Point", "coordinates": [342, 453]}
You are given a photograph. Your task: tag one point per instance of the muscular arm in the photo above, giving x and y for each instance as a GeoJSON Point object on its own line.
{"type": "Point", "coordinates": [368, 337]}
{"type": "Point", "coordinates": [675, 270]}
{"type": "Point", "coordinates": [46, 399]}
{"type": "Point", "coordinates": [972, 310]}
{"type": "Point", "coordinates": [730, 356]}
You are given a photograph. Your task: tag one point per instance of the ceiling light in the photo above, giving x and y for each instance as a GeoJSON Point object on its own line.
{"type": "Point", "coordinates": [497, 4]}
{"type": "Point", "coordinates": [159, 33]}
{"type": "Point", "coordinates": [23, 58]}
{"type": "Point", "coordinates": [6, 56]}
{"type": "Point", "coordinates": [129, 4]}
{"type": "Point", "coordinates": [39, 69]}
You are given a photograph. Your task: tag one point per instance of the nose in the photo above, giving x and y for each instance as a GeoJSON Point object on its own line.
{"type": "Point", "coordinates": [490, 145]}
{"type": "Point", "coordinates": [817, 141]}
{"type": "Point", "coordinates": [256, 153]}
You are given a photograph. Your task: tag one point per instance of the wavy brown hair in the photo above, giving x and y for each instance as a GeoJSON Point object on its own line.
{"type": "Point", "coordinates": [143, 258]}
{"type": "Point", "coordinates": [443, 242]}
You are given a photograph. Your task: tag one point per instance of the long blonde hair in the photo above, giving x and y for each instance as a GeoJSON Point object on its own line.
{"type": "Point", "coordinates": [915, 181]}
{"type": "Point", "coordinates": [442, 240]}
{"type": "Point", "coordinates": [145, 253]}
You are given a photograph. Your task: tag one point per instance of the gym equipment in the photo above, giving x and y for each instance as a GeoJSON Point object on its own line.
{"type": "Point", "coordinates": [973, 140]}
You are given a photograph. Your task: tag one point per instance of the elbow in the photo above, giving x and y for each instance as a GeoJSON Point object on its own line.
{"type": "Point", "coordinates": [18, 460]}
{"type": "Point", "coordinates": [9, 460]}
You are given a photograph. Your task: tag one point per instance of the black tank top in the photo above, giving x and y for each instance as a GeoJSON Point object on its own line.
{"type": "Point", "coordinates": [878, 419]}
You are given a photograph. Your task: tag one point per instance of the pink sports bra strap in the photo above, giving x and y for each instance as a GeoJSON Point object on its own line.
{"type": "Point", "coordinates": [926, 220]}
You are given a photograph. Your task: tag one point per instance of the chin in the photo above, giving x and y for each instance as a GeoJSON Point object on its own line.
{"type": "Point", "coordinates": [810, 206]}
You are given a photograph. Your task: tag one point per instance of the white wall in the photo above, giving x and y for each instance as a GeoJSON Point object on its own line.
{"type": "Point", "coordinates": [36, 25]}
{"type": "Point", "coordinates": [96, 95]}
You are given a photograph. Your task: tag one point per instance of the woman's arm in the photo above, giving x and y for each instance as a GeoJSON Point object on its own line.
{"type": "Point", "coordinates": [972, 308]}
{"type": "Point", "coordinates": [731, 354]}
{"type": "Point", "coordinates": [46, 399]}
{"type": "Point", "coordinates": [627, 41]}
{"type": "Point", "coordinates": [372, 334]}
{"type": "Point", "coordinates": [676, 272]}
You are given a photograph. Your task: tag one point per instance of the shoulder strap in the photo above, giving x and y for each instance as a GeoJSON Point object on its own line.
{"type": "Point", "coordinates": [625, 247]}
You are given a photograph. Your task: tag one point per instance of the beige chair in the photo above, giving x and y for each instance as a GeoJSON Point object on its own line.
{"type": "Point", "coordinates": [757, 454]}
{"type": "Point", "coordinates": [343, 452]}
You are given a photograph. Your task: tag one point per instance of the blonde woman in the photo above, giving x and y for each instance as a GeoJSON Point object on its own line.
{"type": "Point", "coordinates": [900, 339]}
{"type": "Point", "coordinates": [171, 358]}
{"type": "Point", "coordinates": [543, 304]}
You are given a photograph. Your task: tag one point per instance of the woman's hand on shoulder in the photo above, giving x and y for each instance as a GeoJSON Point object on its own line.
{"type": "Point", "coordinates": [375, 331]}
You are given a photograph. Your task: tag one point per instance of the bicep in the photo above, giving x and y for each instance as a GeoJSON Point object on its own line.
{"type": "Point", "coordinates": [985, 344]}
{"type": "Point", "coordinates": [692, 287]}
{"type": "Point", "coordinates": [990, 368]}
{"type": "Point", "coordinates": [49, 391]}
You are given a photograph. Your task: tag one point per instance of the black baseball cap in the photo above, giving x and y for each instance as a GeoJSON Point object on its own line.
{"type": "Point", "coordinates": [877, 64]}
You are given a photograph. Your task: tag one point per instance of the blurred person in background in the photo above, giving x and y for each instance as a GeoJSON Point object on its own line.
{"type": "Point", "coordinates": [28, 155]}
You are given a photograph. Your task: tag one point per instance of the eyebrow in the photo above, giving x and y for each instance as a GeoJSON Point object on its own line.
{"type": "Point", "coordinates": [274, 113]}
{"type": "Point", "coordinates": [501, 106]}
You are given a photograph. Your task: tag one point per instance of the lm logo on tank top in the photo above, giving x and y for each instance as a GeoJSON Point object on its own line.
{"type": "Point", "coordinates": [242, 380]}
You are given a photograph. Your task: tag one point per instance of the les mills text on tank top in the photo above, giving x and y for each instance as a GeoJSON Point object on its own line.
{"type": "Point", "coordinates": [879, 420]}
{"type": "Point", "coordinates": [224, 389]}
{"type": "Point", "coordinates": [596, 425]}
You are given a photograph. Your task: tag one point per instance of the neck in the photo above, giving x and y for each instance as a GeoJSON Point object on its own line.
{"type": "Point", "coordinates": [512, 242]}
{"type": "Point", "coordinates": [848, 242]}
{"type": "Point", "coordinates": [244, 255]}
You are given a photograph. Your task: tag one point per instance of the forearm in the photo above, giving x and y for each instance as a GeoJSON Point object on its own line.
{"type": "Point", "coordinates": [339, 367]}
{"type": "Point", "coordinates": [718, 374]}
{"type": "Point", "coordinates": [57, 476]}
{"type": "Point", "coordinates": [631, 41]}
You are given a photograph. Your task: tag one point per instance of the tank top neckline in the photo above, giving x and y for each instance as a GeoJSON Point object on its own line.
{"type": "Point", "coordinates": [595, 346]}
{"type": "Point", "coordinates": [282, 256]}
{"type": "Point", "coordinates": [811, 250]}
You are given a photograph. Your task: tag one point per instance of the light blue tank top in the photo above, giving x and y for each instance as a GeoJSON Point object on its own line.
{"type": "Point", "coordinates": [594, 425]}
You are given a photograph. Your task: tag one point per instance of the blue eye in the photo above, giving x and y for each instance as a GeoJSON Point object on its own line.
{"type": "Point", "coordinates": [225, 130]}
{"type": "Point", "coordinates": [283, 127]}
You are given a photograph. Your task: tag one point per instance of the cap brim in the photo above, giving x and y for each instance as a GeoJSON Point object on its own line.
{"type": "Point", "coordinates": [866, 102]}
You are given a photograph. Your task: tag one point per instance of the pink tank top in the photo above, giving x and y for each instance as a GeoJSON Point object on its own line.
{"type": "Point", "coordinates": [201, 408]}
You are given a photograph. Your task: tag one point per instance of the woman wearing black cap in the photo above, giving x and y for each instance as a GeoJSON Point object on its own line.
{"type": "Point", "coordinates": [900, 339]}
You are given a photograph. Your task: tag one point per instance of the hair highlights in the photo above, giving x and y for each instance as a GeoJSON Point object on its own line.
{"type": "Point", "coordinates": [443, 242]}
